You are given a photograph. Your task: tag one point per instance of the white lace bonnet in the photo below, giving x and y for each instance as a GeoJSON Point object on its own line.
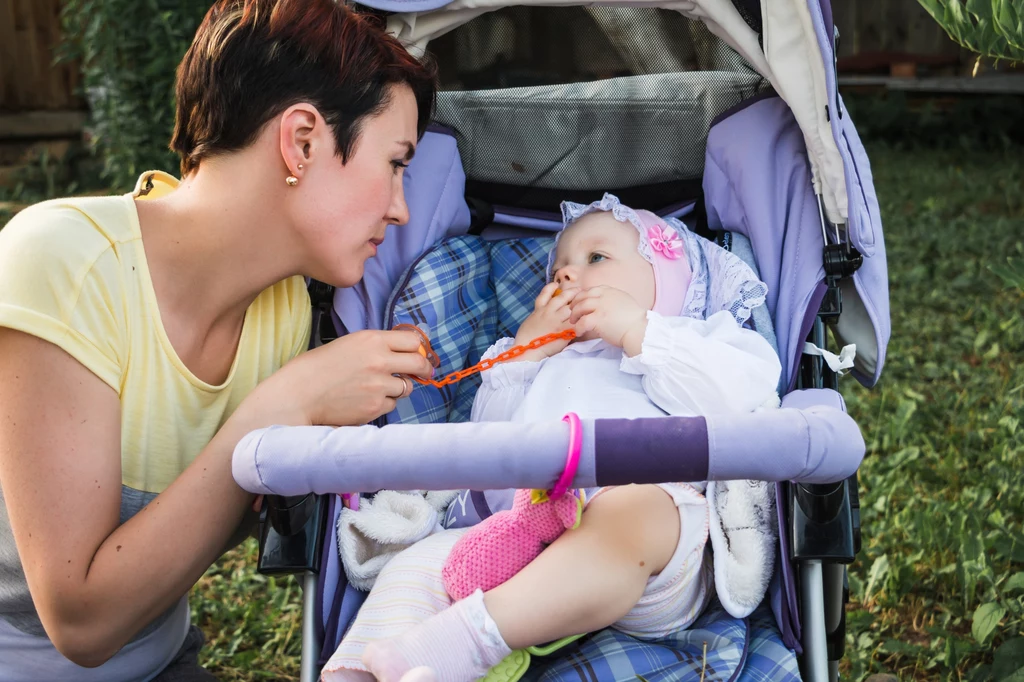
{"type": "Point", "coordinates": [693, 276]}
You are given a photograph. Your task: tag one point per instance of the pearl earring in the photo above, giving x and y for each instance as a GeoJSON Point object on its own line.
{"type": "Point", "coordinates": [292, 180]}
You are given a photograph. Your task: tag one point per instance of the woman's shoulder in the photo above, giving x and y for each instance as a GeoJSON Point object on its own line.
{"type": "Point", "coordinates": [285, 312]}
{"type": "Point", "coordinates": [66, 230]}
{"type": "Point", "coordinates": [289, 298]}
{"type": "Point", "coordinates": [61, 279]}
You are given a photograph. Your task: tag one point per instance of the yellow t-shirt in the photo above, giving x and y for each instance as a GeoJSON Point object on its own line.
{"type": "Point", "coordinates": [74, 272]}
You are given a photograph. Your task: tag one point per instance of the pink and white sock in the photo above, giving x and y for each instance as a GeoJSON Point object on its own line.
{"type": "Point", "coordinates": [460, 644]}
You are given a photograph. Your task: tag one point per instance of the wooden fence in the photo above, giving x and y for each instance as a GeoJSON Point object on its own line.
{"type": "Point", "coordinates": [875, 34]}
{"type": "Point", "coordinates": [29, 79]}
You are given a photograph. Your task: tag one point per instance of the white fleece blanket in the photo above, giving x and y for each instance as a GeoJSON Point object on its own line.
{"type": "Point", "coordinates": [744, 534]}
{"type": "Point", "coordinates": [384, 526]}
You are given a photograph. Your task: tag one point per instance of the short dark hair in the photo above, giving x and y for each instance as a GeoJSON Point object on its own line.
{"type": "Point", "coordinates": [252, 59]}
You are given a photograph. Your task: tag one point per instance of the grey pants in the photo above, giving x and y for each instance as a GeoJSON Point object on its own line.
{"type": "Point", "coordinates": [185, 666]}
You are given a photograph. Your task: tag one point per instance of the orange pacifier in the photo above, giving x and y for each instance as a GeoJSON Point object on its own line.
{"type": "Point", "coordinates": [425, 350]}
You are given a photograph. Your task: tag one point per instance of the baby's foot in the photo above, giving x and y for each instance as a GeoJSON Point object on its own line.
{"type": "Point", "coordinates": [457, 645]}
{"type": "Point", "coordinates": [385, 661]}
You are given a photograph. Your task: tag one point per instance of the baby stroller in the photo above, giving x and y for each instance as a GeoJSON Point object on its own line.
{"type": "Point", "coordinates": [725, 115]}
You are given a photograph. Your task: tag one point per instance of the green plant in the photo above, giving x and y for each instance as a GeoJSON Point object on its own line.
{"type": "Point", "coordinates": [1012, 272]}
{"type": "Point", "coordinates": [129, 50]}
{"type": "Point", "coordinates": [50, 176]}
{"type": "Point", "coordinates": [992, 28]}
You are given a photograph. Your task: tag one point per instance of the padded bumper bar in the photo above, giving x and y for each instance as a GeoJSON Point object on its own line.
{"type": "Point", "coordinates": [810, 439]}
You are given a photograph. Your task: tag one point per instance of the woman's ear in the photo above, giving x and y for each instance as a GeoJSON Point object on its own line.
{"type": "Point", "coordinates": [301, 138]}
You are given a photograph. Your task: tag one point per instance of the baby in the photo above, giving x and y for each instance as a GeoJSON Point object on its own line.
{"type": "Point", "coordinates": [637, 562]}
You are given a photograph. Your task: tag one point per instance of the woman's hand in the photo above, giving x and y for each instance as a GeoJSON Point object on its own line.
{"type": "Point", "coordinates": [550, 314]}
{"type": "Point", "coordinates": [612, 315]}
{"type": "Point", "coordinates": [348, 382]}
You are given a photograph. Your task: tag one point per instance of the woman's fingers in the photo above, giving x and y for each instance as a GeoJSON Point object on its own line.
{"type": "Point", "coordinates": [402, 388]}
{"type": "Point", "coordinates": [402, 341]}
{"type": "Point", "coordinates": [412, 364]}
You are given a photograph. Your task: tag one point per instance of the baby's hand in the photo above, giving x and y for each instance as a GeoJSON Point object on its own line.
{"type": "Point", "coordinates": [550, 314]}
{"type": "Point", "coordinates": [612, 315]}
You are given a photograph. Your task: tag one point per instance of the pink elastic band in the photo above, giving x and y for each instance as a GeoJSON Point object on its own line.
{"type": "Point", "coordinates": [572, 462]}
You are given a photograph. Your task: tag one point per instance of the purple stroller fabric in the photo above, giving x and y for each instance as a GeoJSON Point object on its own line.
{"type": "Point", "coordinates": [757, 181]}
{"type": "Point", "coordinates": [815, 442]}
{"type": "Point", "coordinates": [435, 185]}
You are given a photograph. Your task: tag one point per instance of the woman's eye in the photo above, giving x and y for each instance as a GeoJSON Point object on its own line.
{"type": "Point", "coordinates": [398, 166]}
{"type": "Point", "coordinates": [596, 258]}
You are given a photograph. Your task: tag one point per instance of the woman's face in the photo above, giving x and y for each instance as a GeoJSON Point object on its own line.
{"type": "Point", "coordinates": [346, 208]}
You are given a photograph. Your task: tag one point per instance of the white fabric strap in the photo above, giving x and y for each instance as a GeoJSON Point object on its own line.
{"type": "Point", "coordinates": [837, 363]}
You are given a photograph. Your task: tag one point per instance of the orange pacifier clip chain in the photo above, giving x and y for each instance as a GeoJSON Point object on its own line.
{"type": "Point", "coordinates": [426, 351]}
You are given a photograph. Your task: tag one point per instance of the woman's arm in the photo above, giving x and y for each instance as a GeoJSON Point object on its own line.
{"type": "Point", "coordinates": [96, 584]}
{"type": "Point", "coordinates": [93, 583]}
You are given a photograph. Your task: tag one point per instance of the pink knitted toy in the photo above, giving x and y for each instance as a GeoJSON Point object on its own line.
{"type": "Point", "coordinates": [503, 544]}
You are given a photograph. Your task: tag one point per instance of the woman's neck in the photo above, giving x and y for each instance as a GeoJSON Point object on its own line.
{"type": "Point", "coordinates": [213, 245]}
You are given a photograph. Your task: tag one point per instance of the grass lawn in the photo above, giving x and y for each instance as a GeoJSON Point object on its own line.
{"type": "Point", "coordinates": [938, 591]}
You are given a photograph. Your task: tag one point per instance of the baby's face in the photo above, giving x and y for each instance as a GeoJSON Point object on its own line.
{"type": "Point", "coordinates": [598, 250]}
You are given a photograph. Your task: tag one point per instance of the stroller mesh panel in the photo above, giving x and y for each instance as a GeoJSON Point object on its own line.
{"type": "Point", "coordinates": [528, 46]}
{"type": "Point", "coordinates": [585, 99]}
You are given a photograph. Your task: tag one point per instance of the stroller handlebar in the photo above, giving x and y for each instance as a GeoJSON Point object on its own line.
{"type": "Point", "coordinates": [810, 439]}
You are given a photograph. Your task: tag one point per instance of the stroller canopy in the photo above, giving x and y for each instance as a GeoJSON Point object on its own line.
{"type": "Point", "coordinates": [791, 45]}
{"type": "Point", "coordinates": [554, 99]}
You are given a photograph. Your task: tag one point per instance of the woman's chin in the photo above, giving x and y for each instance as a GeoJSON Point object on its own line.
{"type": "Point", "coordinates": [343, 279]}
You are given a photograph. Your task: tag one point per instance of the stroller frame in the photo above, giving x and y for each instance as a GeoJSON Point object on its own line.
{"type": "Point", "coordinates": [822, 541]}
{"type": "Point", "coordinates": [822, 530]}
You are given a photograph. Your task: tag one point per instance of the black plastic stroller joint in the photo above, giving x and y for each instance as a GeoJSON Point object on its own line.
{"type": "Point", "coordinates": [825, 523]}
{"type": "Point", "coordinates": [322, 297]}
{"type": "Point", "coordinates": [840, 260]}
{"type": "Point", "coordinates": [290, 527]}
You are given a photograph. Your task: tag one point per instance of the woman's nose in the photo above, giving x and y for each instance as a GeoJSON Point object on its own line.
{"type": "Point", "coordinates": [398, 212]}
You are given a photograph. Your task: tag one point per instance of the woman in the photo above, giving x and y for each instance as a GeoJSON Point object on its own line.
{"type": "Point", "coordinates": [141, 336]}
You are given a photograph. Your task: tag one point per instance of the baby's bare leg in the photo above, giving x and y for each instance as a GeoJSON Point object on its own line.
{"type": "Point", "coordinates": [592, 576]}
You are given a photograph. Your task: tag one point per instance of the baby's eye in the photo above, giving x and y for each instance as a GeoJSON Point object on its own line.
{"type": "Point", "coordinates": [596, 258]}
